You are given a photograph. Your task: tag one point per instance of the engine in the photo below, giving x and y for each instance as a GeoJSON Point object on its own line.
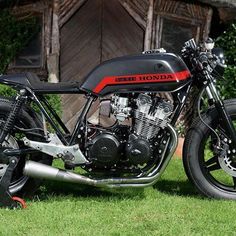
{"type": "Point", "coordinates": [132, 144]}
{"type": "Point", "coordinates": [150, 115]}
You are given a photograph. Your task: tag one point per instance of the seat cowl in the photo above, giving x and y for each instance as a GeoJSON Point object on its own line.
{"type": "Point", "coordinates": [33, 82]}
{"type": "Point", "coordinates": [15, 79]}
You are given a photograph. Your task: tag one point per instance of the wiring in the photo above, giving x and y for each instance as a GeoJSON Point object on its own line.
{"type": "Point", "coordinates": [199, 114]}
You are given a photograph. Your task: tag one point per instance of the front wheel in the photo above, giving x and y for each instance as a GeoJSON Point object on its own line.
{"type": "Point", "coordinates": [211, 170]}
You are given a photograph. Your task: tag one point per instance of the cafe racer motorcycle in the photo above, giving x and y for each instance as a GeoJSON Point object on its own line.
{"type": "Point", "coordinates": [135, 150]}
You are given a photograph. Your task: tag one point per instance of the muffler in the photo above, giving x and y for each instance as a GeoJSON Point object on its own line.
{"type": "Point", "coordinates": [42, 171]}
{"type": "Point", "coordinates": [38, 170]}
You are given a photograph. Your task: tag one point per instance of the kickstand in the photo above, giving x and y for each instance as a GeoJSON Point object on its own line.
{"type": "Point", "coordinates": [6, 199]}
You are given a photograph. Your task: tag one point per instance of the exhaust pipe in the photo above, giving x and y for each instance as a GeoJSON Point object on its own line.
{"type": "Point", "coordinates": [42, 171]}
{"type": "Point", "coordinates": [39, 170]}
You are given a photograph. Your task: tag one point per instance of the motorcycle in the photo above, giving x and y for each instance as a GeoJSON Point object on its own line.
{"type": "Point", "coordinates": [134, 150]}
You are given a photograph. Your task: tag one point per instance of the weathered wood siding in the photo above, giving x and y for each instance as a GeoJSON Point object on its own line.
{"type": "Point", "coordinates": [98, 31]}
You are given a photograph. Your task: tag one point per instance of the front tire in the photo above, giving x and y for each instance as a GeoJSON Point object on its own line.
{"type": "Point", "coordinates": [200, 158]}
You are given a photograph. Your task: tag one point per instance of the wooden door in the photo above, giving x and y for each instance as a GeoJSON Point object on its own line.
{"type": "Point", "coordinates": [98, 31]}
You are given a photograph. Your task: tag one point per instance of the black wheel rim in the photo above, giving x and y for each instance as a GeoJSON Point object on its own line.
{"type": "Point", "coordinates": [209, 163]}
{"type": "Point", "coordinates": [18, 179]}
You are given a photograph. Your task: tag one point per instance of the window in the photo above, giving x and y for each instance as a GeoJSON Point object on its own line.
{"type": "Point", "coordinates": [32, 55]}
{"type": "Point", "coordinates": [179, 31]}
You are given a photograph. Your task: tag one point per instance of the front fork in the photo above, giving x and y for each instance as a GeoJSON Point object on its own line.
{"type": "Point", "coordinates": [225, 119]}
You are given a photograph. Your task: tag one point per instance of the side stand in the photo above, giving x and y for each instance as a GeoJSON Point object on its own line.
{"type": "Point", "coordinates": [6, 199]}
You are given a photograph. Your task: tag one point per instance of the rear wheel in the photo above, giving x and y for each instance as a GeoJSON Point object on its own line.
{"type": "Point", "coordinates": [20, 184]}
{"type": "Point", "coordinates": [212, 171]}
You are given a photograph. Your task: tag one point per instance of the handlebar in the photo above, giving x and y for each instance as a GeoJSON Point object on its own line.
{"type": "Point", "coordinates": [200, 57]}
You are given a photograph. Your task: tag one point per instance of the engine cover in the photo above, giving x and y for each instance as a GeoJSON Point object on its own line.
{"type": "Point", "coordinates": [138, 150]}
{"type": "Point", "coordinates": [104, 150]}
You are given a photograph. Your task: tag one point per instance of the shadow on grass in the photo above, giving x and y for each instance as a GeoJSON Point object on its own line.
{"type": "Point", "coordinates": [177, 187]}
{"type": "Point", "coordinates": [60, 189]}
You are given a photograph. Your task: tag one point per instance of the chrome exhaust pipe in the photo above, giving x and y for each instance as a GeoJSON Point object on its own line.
{"type": "Point", "coordinates": [42, 171]}
{"type": "Point", "coordinates": [38, 170]}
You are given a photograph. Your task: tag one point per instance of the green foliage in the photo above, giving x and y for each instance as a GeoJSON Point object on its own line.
{"type": "Point", "coordinates": [15, 34]}
{"type": "Point", "coordinates": [228, 84]}
{"type": "Point", "coordinates": [227, 41]}
{"type": "Point", "coordinates": [6, 91]}
{"type": "Point", "coordinates": [54, 100]}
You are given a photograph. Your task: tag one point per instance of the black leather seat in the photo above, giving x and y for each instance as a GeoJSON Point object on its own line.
{"type": "Point", "coordinates": [32, 81]}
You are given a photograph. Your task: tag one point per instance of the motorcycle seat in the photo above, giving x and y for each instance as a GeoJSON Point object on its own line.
{"type": "Point", "coordinates": [33, 82]}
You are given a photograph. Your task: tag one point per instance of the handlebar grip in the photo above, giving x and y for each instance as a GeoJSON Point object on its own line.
{"type": "Point", "coordinates": [203, 59]}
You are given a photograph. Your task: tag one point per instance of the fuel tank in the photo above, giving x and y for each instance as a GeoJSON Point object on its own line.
{"type": "Point", "coordinates": [159, 72]}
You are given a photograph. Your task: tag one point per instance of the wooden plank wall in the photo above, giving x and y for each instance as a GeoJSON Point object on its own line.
{"type": "Point", "coordinates": [138, 6]}
{"type": "Point", "coordinates": [80, 53]}
{"type": "Point", "coordinates": [100, 30]}
{"type": "Point", "coordinates": [120, 33]}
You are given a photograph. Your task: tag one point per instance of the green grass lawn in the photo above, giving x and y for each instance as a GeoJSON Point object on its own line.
{"type": "Point", "coordinates": [171, 207]}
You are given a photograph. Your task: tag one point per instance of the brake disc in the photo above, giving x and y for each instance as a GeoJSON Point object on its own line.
{"type": "Point", "coordinates": [228, 165]}
{"type": "Point", "coordinates": [227, 158]}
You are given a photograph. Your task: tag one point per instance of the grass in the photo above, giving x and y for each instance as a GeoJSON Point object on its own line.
{"type": "Point", "coordinates": [171, 207]}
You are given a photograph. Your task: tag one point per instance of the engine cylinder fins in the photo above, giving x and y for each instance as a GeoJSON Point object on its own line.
{"type": "Point", "coordinates": [145, 127]}
{"type": "Point", "coordinates": [150, 115]}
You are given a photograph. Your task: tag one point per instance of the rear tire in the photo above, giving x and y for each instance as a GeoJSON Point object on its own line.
{"type": "Point", "coordinates": [22, 185]}
{"type": "Point", "coordinates": [200, 161]}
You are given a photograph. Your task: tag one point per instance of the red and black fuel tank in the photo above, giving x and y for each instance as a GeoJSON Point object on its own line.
{"type": "Point", "coordinates": [159, 72]}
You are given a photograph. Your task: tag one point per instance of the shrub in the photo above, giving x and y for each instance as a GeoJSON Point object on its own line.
{"type": "Point", "coordinates": [54, 100]}
{"type": "Point", "coordinates": [15, 35]}
{"type": "Point", "coordinates": [6, 91]}
{"type": "Point", "coordinates": [227, 41]}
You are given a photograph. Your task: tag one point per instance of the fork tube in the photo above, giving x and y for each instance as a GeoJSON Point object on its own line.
{"type": "Point", "coordinates": [81, 119]}
{"type": "Point", "coordinates": [220, 107]}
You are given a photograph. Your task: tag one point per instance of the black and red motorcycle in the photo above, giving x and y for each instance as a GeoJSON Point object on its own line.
{"type": "Point", "coordinates": [135, 150]}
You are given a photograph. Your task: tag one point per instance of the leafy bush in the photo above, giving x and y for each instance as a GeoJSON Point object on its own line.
{"type": "Point", "coordinates": [228, 84]}
{"type": "Point", "coordinates": [227, 41]}
{"type": "Point", "coordinates": [15, 35]}
{"type": "Point", "coordinates": [54, 100]}
{"type": "Point", "coordinates": [6, 91]}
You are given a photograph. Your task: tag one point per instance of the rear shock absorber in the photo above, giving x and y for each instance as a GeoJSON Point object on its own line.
{"type": "Point", "coordinates": [9, 124]}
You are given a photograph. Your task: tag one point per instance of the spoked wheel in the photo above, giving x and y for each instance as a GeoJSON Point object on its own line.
{"type": "Point", "coordinates": [20, 184]}
{"type": "Point", "coordinates": [212, 170]}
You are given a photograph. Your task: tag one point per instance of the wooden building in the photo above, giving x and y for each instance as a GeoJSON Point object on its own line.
{"type": "Point", "coordinates": [77, 35]}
